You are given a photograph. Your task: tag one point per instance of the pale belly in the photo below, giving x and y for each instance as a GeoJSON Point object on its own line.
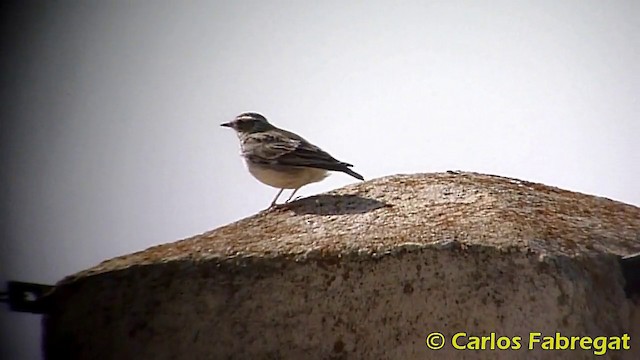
{"type": "Point", "coordinates": [291, 178]}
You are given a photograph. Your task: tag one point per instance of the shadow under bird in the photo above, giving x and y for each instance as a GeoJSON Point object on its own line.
{"type": "Point", "coordinates": [280, 158]}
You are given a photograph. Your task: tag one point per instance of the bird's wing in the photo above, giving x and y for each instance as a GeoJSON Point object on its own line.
{"type": "Point", "coordinates": [278, 148]}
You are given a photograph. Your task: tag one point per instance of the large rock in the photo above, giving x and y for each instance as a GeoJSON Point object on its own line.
{"type": "Point", "coordinates": [367, 271]}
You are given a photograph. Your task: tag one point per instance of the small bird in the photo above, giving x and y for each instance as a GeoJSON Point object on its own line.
{"type": "Point", "coordinates": [280, 158]}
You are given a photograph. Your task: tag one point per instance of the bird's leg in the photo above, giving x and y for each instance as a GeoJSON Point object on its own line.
{"type": "Point", "coordinates": [293, 193]}
{"type": "Point", "coordinates": [276, 198]}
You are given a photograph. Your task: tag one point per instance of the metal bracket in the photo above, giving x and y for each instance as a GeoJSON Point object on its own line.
{"type": "Point", "coordinates": [26, 297]}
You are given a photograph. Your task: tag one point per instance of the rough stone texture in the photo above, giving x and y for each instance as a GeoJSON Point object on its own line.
{"type": "Point", "coordinates": [366, 271]}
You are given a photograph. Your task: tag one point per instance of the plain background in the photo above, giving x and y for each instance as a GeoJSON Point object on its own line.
{"type": "Point", "coordinates": [110, 110]}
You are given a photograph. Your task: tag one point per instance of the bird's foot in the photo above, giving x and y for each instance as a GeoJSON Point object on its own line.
{"type": "Point", "coordinates": [274, 206]}
{"type": "Point", "coordinates": [289, 201]}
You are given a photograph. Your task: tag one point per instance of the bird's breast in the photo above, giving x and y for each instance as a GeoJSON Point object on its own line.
{"type": "Point", "coordinates": [285, 177]}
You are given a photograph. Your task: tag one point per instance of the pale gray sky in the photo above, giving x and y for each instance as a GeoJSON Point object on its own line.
{"type": "Point", "coordinates": [111, 110]}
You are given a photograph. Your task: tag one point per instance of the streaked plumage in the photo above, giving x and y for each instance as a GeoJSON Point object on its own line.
{"type": "Point", "coordinates": [280, 158]}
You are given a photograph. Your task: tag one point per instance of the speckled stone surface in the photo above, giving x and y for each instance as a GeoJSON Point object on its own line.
{"type": "Point", "coordinates": [366, 271]}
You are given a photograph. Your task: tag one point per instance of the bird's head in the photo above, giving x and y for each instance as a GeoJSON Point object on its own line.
{"type": "Point", "coordinates": [249, 123]}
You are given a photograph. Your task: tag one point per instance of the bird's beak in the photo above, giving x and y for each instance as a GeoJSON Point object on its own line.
{"type": "Point", "coordinates": [227, 124]}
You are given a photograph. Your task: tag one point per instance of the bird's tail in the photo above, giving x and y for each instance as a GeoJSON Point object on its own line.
{"type": "Point", "coordinates": [346, 170]}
